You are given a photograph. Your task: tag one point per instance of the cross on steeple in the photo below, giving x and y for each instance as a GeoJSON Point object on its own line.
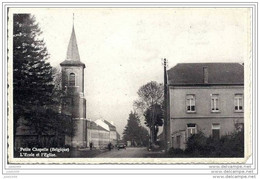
{"type": "Point", "coordinates": [73, 19]}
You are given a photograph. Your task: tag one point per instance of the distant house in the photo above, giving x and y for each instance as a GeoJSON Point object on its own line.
{"type": "Point", "coordinates": [206, 97]}
{"type": "Point", "coordinates": [101, 133]}
{"type": "Point", "coordinates": [112, 132]}
{"type": "Point", "coordinates": [97, 135]}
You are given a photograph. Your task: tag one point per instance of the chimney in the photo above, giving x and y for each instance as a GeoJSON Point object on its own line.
{"type": "Point", "coordinates": [205, 75]}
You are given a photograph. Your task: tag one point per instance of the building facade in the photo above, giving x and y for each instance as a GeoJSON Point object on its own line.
{"type": "Point", "coordinates": [74, 102]}
{"type": "Point", "coordinates": [97, 135]}
{"type": "Point", "coordinates": [112, 132]}
{"type": "Point", "coordinates": [101, 133]}
{"type": "Point", "coordinates": [206, 97]}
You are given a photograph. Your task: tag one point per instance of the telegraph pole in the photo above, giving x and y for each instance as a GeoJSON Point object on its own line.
{"type": "Point", "coordinates": [165, 106]}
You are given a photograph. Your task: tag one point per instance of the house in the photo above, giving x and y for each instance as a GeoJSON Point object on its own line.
{"type": "Point", "coordinates": [97, 135]}
{"type": "Point", "coordinates": [101, 133]}
{"type": "Point", "coordinates": [112, 132]}
{"type": "Point", "coordinates": [206, 97]}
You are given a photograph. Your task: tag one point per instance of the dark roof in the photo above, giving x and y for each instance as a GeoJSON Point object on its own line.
{"type": "Point", "coordinates": [72, 58]}
{"type": "Point", "coordinates": [73, 51]}
{"type": "Point", "coordinates": [72, 63]}
{"type": "Point", "coordinates": [93, 125]}
{"type": "Point", "coordinates": [218, 74]}
{"type": "Point", "coordinates": [111, 126]}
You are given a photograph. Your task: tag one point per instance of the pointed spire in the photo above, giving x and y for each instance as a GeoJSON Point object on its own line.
{"type": "Point", "coordinates": [73, 52]}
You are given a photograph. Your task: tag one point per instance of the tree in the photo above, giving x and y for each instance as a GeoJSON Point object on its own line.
{"type": "Point", "coordinates": [149, 94]}
{"type": "Point", "coordinates": [134, 132]}
{"type": "Point", "coordinates": [150, 102]}
{"type": "Point", "coordinates": [154, 119]}
{"type": "Point", "coordinates": [34, 92]}
{"type": "Point", "coordinates": [32, 75]}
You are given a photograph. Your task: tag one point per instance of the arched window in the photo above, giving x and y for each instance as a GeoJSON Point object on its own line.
{"type": "Point", "coordinates": [72, 79]}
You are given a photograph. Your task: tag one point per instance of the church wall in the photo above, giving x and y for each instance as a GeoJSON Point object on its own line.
{"type": "Point", "coordinates": [79, 79]}
{"type": "Point", "coordinates": [82, 108]}
{"type": "Point", "coordinates": [79, 140]}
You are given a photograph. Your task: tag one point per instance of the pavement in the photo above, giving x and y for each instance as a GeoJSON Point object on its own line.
{"type": "Point", "coordinates": [129, 152]}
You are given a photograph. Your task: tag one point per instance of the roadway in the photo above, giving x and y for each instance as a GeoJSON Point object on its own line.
{"type": "Point", "coordinates": [129, 152]}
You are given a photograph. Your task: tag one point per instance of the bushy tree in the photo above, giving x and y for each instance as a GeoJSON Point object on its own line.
{"type": "Point", "coordinates": [149, 95]}
{"type": "Point", "coordinates": [197, 144]}
{"type": "Point", "coordinates": [232, 145]}
{"type": "Point", "coordinates": [150, 104]}
{"type": "Point", "coordinates": [154, 119]}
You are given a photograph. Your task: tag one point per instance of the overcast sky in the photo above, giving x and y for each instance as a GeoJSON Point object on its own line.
{"type": "Point", "coordinates": [123, 47]}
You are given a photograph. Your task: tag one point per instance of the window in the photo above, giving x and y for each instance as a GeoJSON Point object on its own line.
{"type": "Point", "coordinates": [215, 131]}
{"type": "Point", "coordinates": [214, 103]}
{"type": "Point", "coordinates": [238, 103]}
{"type": "Point", "coordinates": [190, 103]}
{"type": "Point", "coordinates": [191, 129]}
{"type": "Point", "coordinates": [72, 79]}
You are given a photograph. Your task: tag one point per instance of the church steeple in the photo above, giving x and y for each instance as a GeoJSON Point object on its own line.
{"type": "Point", "coordinates": [72, 70]}
{"type": "Point", "coordinates": [72, 58]}
{"type": "Point", "coordinates": [73, 52]}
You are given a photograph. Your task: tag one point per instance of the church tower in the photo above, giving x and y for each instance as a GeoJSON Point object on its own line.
{"type": "Point", "coordinates": [74, 102]}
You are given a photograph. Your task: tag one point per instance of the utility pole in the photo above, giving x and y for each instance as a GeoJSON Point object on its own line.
{"type": "Point", "coordinates": [165, 106]}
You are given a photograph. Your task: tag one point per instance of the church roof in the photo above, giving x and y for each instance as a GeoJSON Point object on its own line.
{"type": "Point", "coordinates": [218, 74]}
{"type": "Point", "coordinates": [72, 57]}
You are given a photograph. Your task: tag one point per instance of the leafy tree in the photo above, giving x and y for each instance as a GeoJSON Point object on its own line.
{"type": "Point", "coordinates": [149, 94]}
{"type": "Point", "coordinates": [36, 96]}
{"type": "Point", "coordinates": [154, 119]}
{"type": "Point", "coordinates": [150, 102]}
{"type": "Point", "coordinates": [134, 132]}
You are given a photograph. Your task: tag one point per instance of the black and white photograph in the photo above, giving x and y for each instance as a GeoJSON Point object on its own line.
{"type": "Point", "coordinates": [129, 85]}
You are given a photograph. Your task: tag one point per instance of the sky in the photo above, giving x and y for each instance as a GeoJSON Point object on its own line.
{"type": "Point", "coordinates": [123, 48]}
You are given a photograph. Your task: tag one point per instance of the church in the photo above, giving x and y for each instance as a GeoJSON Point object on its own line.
{"type": "Point", "coordinates": [74, 102]}
{"type": "Point", "coordinates": [100, 132]}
